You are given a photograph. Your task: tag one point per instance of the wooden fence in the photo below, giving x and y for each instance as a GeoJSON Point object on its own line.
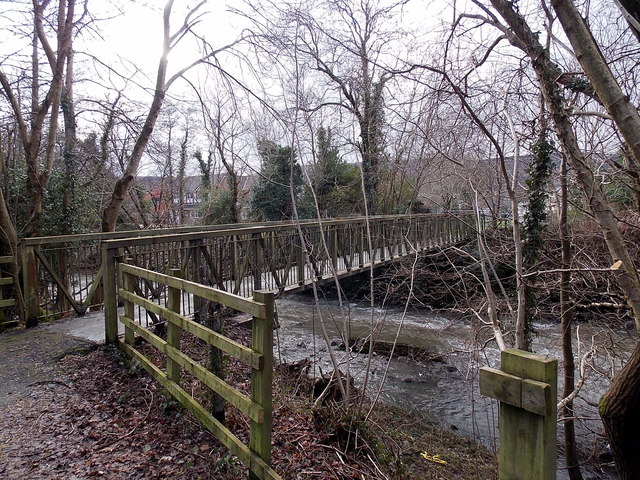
{"type": "Point", "coordinates": [63, 274]}
{"type": "Point", "coordinates": [7, 301]}
{"type": "Point", "coordinates": [259, 357]}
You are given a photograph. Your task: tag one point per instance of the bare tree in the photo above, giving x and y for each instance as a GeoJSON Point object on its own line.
{"type": "Point", "coordinates": [343, 44]}
{"type": "Point", "coordinates": [620, 404]}
{"type": "Point", "coordinates": [38, 123]}
{"type": "Point", "coordinates": [170, 40]}
{"type": "Point", "coordinates": [228, 133]}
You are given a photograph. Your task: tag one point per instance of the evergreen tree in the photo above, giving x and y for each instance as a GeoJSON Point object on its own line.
{"type": "Point", "coordinates": [336, 183]}
{"type": "Point", "coordinates": [272, 199]}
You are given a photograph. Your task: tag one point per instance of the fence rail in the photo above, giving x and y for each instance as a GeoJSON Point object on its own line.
{"type": "Point", "coordinates": [63, 274]}
{"type": "Point", "coordinates": [258, 407]}
{"type": "Point", "coordinates": [7, 301]}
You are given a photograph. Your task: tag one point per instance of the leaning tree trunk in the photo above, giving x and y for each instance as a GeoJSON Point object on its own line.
{"type": "Point", "coordinates": [123, 184]}
{"type": "Point", "coordinates": [620, 412]}
{"type": "Point", "coordinates": [619, 106]}
{"type": "Point", "coordinates": [620, 406]}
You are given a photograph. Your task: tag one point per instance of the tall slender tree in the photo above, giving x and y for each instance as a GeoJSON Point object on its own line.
{"type": "Point", "coordinates": [619, 406]}
{"type": "Point", "coordinates": [163, 82]}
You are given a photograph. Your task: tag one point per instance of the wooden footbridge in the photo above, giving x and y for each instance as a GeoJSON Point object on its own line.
{"type": "Point", "coordinates": [64, 275]}
{"type": "Point", "coordinates": [170, 275]}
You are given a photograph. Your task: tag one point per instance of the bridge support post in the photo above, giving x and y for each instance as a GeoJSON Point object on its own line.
{"type": "Point", "coordinates": [360, 242]}
{"type": "Point", "coordinates": [257, 262]}
{"type": "Point", "coordinates": [196, 257]}
{"type": "Point", "coordinates": [300, 262]}
{"type": "Point", "coordinates": [128, 284]}
{"type": "Point", "coordinates": [334, 247]}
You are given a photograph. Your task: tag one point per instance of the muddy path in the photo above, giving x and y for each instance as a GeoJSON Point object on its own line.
{"type": "Point", "coordinates": [29, 359]}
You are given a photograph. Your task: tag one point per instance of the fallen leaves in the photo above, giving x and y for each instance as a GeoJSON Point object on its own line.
{"type": "Point", "coordinates": [107, 421]}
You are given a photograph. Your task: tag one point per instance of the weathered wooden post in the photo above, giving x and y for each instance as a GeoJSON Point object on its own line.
{"type": "Point", "coordinates": [334, 246]}
{"type": "Point", "coordinates": [300, 262]}
{"type": "Point", "coordinates": [526, 387]}
{"type": "Point", "coordinates": [174, 297]}
{"type": "Point", "coordinates": [109, 283]}
{"type": "Point", "coordinates": [390, 240]}
{"type": "Point", "coordinates": [261, 387]}
{"type": "Point", "coordinates": [257, 261]}
{"type": "Point", "coordinates": [196, 257]}
{"type": "Point", "coordinates": [30, 284]}
{"type": "Point", "coordinates": [361, 235]}
{"type": "Point", "coordinates": [128, 284]}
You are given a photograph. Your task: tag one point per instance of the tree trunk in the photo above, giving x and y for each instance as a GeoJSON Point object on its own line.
{"type": "Point", "coordinates": [621, 417]}
{"type": "Point", "coordinates": [181, 173]}
{"type": "Point", "coordinates": [69, 156]}
{"type": "Point", "coordinates": [620, 406]}
{"type": "Point", "coordinates": [215, 320]}
{"type": "Point", "coordinates": [566, 320]}
{"type": "Point", "coordinates": [123, 184]}
{"type": "Point", "coordinates": [523, 330]}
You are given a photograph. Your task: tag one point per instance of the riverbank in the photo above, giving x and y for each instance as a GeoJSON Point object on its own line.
{"type": "Point", "coordinates": [451, 279]}
{"type": "Point", "coordinates": [439, 381]}
{"type": "Point", "coordinates": [86, 412]}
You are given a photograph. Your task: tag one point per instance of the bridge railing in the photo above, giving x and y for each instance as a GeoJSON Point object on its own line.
{"type": "Point", "coordinates": [64, 274]}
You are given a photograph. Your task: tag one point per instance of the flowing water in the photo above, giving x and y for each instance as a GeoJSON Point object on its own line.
{"type": "Point", "coordinates": [445, 387]}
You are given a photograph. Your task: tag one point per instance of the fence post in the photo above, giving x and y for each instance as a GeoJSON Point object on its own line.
{"type": "Point", "coordinates": [526, 387]}
{"type": "Point", "coordinates": [262, 342]}
{"type": "Point", "coordinates": [30, 284]}
{"type": "Point", "coordinates": [174, 297]}
{"type": "Point", "coordinates": [128, 284]}
{"type": "Point", "coordinates": [109, 283]}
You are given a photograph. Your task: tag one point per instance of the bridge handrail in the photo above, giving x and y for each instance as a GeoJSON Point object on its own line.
{"type": "Point", "coordinates": [255, 228]}
{"type": "Point", "coordinates": [131, 234]}
{"type": "Point", "coordinates": [63, 274]}
{"type": "Point", "coordinates": [86, 237]}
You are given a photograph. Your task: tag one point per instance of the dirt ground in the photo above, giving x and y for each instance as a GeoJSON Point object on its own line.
{"type": "Point", "coordinates": [29, 359]}
{"type": "Point", "coordinates": [71, 409]}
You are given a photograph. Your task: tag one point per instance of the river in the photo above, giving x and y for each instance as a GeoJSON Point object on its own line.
{"type": "Point", "coordinates": [444, 389]}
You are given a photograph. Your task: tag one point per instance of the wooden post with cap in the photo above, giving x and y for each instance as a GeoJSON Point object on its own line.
{"type": "Point", "coordinates": [526, 386]}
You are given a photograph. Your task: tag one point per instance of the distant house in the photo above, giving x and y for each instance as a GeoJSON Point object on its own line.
{"type": "Point", "coordinates": [454, 187]}
{"type": "Point", "coordinates": [166, 202]}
